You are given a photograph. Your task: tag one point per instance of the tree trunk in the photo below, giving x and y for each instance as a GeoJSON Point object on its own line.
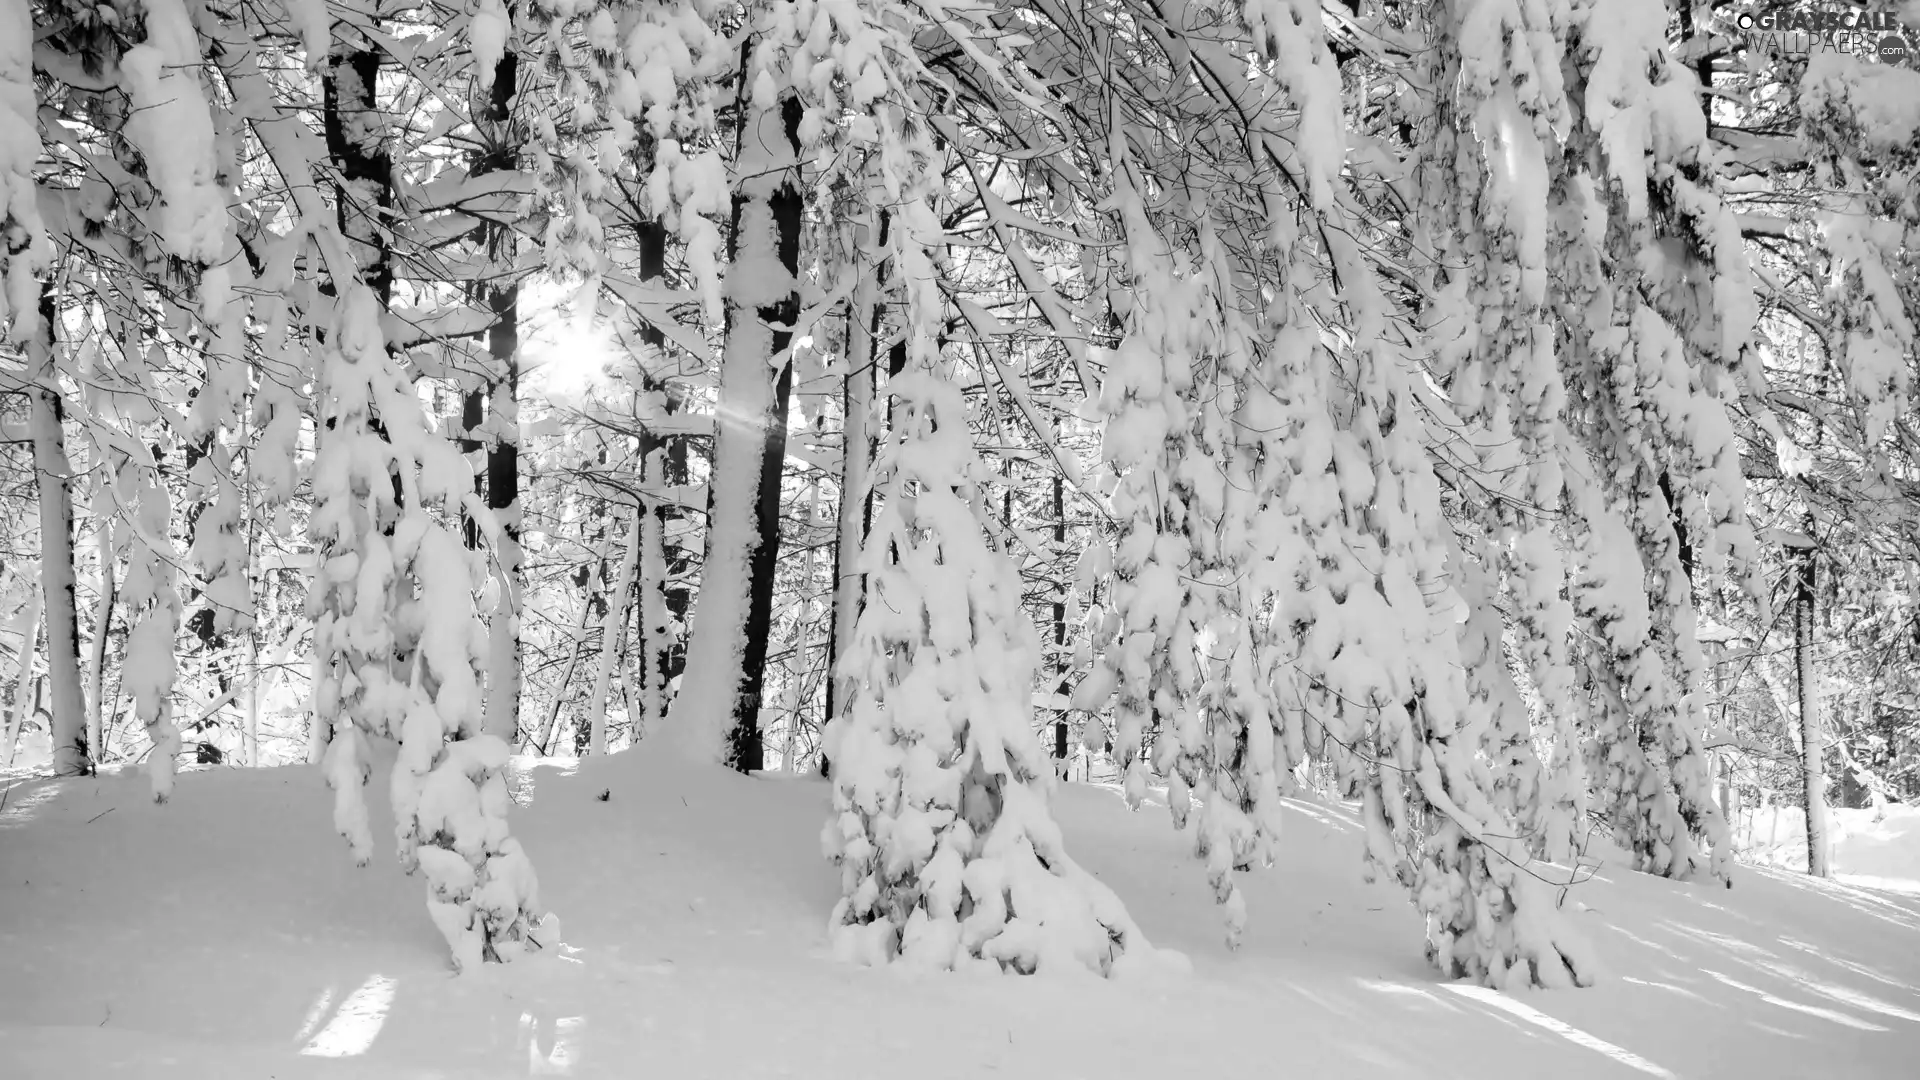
{"type": "Point", "coordinates": [55, 480]}
{"type": "Point", "coordinates": [97, 663]}
{"type": "Point", "coordinates": [503, 498]}
{"type": "Point", "coordinates": [23, 687]}
{"type": "Point", "coordinates": [1811, 735]}
{"type": "Point", "coordinates": [856, 463]}
{"type": "Point", "coordinates": [610, 626]}
{"type": "Point", "coordinates": [802, 641]}
{"type": "Point", "coordinates": [629, 699]}
{"type": "Point", "coordinates": [552, 738]}
{"type": "Point", "coordinates": [655, 628]}
{"type": "Point", "coordinates": [503, 420]}
{"type": "Point", "coordinates": [250, 735]}
{"type": "Point", "coordinates": [728, 646]}
{"type": "Point", "coordinates": [473, 418]}
{"type": "Point", "coordinates": [1060, 732]}
{"type": "Point", "coordinates": [366, 168]}
{"type": "Point", "coordinates": [1723, 759]}
{"type": "Point", "coordinates": [663, 460]}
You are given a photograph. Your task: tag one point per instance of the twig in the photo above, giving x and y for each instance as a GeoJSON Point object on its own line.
{"type": "Point", "coordinates": [100, 815]}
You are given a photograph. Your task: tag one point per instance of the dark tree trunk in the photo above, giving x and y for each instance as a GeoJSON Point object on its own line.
{"type": "Point", "coordinates": [366, 168]}
{"type": "Point", "coordinates": [473, 413]}
{"type": "Point", "coordinates": [1060, 617]}
{"type": "Point", "coordinates": [1813, 748]}
{"type": "Point", "coordinates": [503, 417]}
{"type": "Point", "coordinates": [744, 749]}
{"type": "Point", "coordinates": [53, 477]}
{"type": "Point", "coordinates": [503, 498]}
{"type": "Point", "coordinates": [744, 744]}
{"type": "Point", "coordinates": [660, 657]}
{"type": "Point", "coordinates": [856, 482]}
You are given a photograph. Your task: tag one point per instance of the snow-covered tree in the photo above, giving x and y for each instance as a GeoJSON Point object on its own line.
{"type": "Point", "coordinates": [949, 856]}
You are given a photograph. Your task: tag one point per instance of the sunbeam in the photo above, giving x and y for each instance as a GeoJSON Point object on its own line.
{"type": "Point", "coordinates": [1558, 1027]}
{"type": "Point", "coordinates": [353, 1029]}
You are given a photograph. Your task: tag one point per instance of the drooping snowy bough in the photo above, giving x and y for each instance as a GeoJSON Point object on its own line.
{"type": "Point", "coordinates": [948, 852]}
{"type": "Point", "coordinates": [27, 250]}
{"type": "Point", "coordinates": [398, 648]}
{"type": "Point", "coordinates": [1285, 585]}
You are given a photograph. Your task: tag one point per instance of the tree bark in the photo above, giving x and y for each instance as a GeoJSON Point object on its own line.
{"type": "Point", "coordinates": [803, 641]}
{"type": "Point", "coordinates": [97, 663]}
{"type": "Point", "coordinates": [54, 478]}
{"type": "Point", "coordinates": [1723, 759]}
{"type": "Point", "coordinates": [366, 168]}
{"type": "Point", "coordinates": [1060, 732]}
{"type": "Point", "coordinates": [23, 686]}
{"type": "Point", "coordinates": [473, 418]}
{"type": "Point", "coordinates": [503, 425]}
{"type": "Point", "coordinates": [503, 498]}
{"type": "Point", "coordinates": [663, 459]}
{"type": "Point", "coordinates": [1811, 734]}
{"type": "Point", "coordinates": [728, 646]}
{"type": "Point", "coordinates": [250, 735]}
{"type": "Point", "coordinates": [610, 626]}
{"type": "Point", "coordinates": [856, 465]}
{"type": "Point", "coordinates": [655, 624]}
{"type": "Point", "coordinates": [552, 739]}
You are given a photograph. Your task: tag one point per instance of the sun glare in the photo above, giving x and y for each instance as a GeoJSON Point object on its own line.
{"type": "Point", "coordinates": [1494, 999]}
{"type": "Point", "coordinates": [570, 355]}
{"type": "Point", "coordinates": [353, 1029]}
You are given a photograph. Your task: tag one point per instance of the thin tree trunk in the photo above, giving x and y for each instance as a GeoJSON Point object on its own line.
{"type": "Point", "coordinates": [610, 626]}
{"type": "Point", "coordinates": [653, 624]}
{"type": "Point", "coordinates": [1060, 732]}
{"type": "Point", "coordinates": [856, 465]}
{"type": "Point", "coordinates": [1811, 735]}
{"type": "Point", "coordinates": [55, 481]}
{"type": "Point", "coordinates": [566, 680]}
{"type": "Point", "coordinates": [677, 592]}
{"type": "Point", "coordinates": [473, 416]}
{"type": "Point", "coordinates": [803, 640]}
{"type": "Point", "coordinates": [663, 460]}
{"type": "Point", "coordinates": [629, 699]}
{"type": "Point", "coordinates": [23, 688]}
{"type": "Point", "coordinates": [250, 737]}
{"type": "Point", "coordinates": [260, 683]}
{"type": "Point", "coordinates": [503, 421]}
{"type": "Point", "coordinates": [1730, 780]}
{"type": "Point", "coordinates": [503, 498]}
{"type": "Point", "coordinates": [728, 647]}
{"type": "Point", "coordinates": [97, 663]}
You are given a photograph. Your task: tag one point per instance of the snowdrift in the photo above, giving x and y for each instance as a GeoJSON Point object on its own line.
{"type": "Point", "coordinates": [228, 935]}
{"type": "Point", "coordinates": [1881, 850]}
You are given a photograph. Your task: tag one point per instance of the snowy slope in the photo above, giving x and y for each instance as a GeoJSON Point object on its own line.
{"type": "Point", "coordinates": [227, 935]}
{"type": "Point", "coordinates": [1881, 849]}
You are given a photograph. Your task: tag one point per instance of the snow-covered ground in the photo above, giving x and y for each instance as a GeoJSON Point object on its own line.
{"type": "Point", "coordinates": [227, 935]}
{"type": "Point", "coordinates": [1880, 849]}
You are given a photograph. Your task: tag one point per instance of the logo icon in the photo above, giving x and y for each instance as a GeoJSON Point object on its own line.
{"type": "Point", "coordinates": [1801, 30]}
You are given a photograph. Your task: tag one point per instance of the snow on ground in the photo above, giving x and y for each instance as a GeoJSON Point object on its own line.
{"type": "Point", "coordinates": [227, 935]}
{"type": "Point", "coordinates": [1880, 849]}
